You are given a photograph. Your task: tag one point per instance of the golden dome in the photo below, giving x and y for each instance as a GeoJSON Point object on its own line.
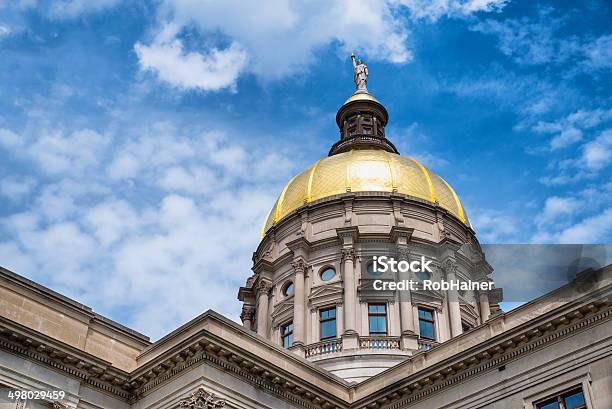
{"type": "Point", "coordinates": [367, 170]}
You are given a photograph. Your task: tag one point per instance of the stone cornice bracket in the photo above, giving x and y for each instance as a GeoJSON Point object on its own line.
{"type": "Point", "coordinates": [348, 211]}
{"type": "Point", "coordinates": [401, 235]}
{"type": "Point", "coordinates": [201, 399]}
{"type": "Point", "coordinates": [348, 235]}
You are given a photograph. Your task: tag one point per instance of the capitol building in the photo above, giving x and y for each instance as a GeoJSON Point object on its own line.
{"type": "Point", "coordinates": [315, 333]}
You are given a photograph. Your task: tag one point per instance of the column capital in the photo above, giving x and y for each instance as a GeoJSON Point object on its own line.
{"type": "Point", "coordinates": [248, 312]}
{"type": "Point", "coordinates": [403, 253]}
{"type": "Point", "coordinates": [264, 287]}
{"type": "Point", "coordinates": [348, 254]}
{"type": "Point", "coordinates": [449, 266]}
{"type": "Point", "coordinates": [299, 265]}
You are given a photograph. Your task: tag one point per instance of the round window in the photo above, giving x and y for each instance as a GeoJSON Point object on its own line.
{"type": "Point", "coordinates": [422, 275]}
{"type": "Point", "coordinates": [328, 274]}
{"type": "Point", "coordinates": [370, 269]}
{"type": "Point", "coordinates": [288, 289]}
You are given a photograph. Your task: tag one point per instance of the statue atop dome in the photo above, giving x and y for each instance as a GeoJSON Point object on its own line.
{"type": "Point", "coordinates": [360, 75]}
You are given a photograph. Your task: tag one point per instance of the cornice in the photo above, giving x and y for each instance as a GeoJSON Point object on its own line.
{"type": "Point", "coordinates": [100, 374]}
{"type": "Point", "coordinates": [207, 339]}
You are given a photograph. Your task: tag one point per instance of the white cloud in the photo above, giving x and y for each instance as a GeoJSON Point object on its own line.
{"type": "Point", "coordinates": [215, 70]}
{"type": "Point", "coordinates": [58, 153]}
{"type": "Point", "coordinates": [65, 9]}
{"type": "Point", "coordinates": [493, 226]}
{"type": "Point", "coordinates": [557, 206]}
{"type": "Point", "coordinates": [16, 188]}
{"type": "Point", "coordinates": [10, 139]}
{"type": "Point", "coordinates": [187, 208]}
{"type": "Point", "coordinates": [434, 9]}
{"type": "Point", "coordinates": [597, 154]}
{"type": "Point", "coordinates": [590, 230]}
{"type": "Point", "coordinates": [599, 53]}
{"type": "Point", "coordinates": [277, 38]}
{"type": "Point", "coordinates": [569, 130]}
{"type": "Point", "coordinates": [536, 42]}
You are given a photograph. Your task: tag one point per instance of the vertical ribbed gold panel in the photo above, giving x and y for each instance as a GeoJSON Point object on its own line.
{"type": "Point", "coordinates": [330, 176]}
{"type": "Point", "coordinates": [443, 194]}
{"type": "Point", "coordinates": [269, 220]}
{"type": "Point", "coordinates": [296, 193]}
{"type": "Point", "coordinates": [409, 177]}
{"type": "Point", "coordinates": [369, 171]}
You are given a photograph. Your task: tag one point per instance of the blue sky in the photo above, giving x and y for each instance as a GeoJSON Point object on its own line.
{"type": "Point", "coordinates": [143, 143]}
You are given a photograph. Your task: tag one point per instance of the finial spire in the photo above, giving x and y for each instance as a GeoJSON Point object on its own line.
{"type": "Point", "coordinates": [360, 75]}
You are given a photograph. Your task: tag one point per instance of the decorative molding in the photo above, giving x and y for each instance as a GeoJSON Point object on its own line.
{"type": "Point", "coordinates": [299, 265]}
{"type": "Point", "coordinates": [201, 399]}
{"type": "Point", "coordinates": [348, 254]}
{"type": "Point", "coordinates": [59, 405]}
{"type": "Point", "coordinates": [417, 389]}
{"type": "Point", "coordinates": [248, 312]}
{"type": "Point", "coordinates": [264, 287]}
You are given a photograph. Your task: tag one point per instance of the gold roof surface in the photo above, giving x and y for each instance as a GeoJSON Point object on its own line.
{"type": "Point", "coordinates": [368, 170]}
{"type": "Point", "coordinates": [360, 96]}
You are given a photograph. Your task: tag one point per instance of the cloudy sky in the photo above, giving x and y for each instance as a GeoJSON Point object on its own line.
{"type": "Point", "coordinates": [143, 142]}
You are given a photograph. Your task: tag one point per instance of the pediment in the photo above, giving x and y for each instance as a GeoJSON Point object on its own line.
{"type": "Point", "coordinates": [283, 307]}
{"type": "Point", "coordinates": [325, 294]}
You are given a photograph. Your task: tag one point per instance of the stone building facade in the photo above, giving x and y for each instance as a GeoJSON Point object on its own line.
{"type": "Point", "coordinates": [314, 333]}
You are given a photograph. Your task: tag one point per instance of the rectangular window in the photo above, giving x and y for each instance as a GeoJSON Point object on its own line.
{"type": "Point", "coordinates": [573, 399]}
{"type": "Point", "coordinates": [426, 323]}
{"type": "Point", "coordinates": [377, 318]}
{"type": "Point", "coordinates": [327, 323]}
{"type": "Point", "coordinates": [287, 334]}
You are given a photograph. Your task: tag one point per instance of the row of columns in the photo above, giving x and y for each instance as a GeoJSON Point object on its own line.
{"type": "Point", "coordinates": [350, 336]}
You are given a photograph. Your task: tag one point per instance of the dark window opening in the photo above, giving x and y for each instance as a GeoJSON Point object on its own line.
{"type": "Point", "coordinates": [287, 334]}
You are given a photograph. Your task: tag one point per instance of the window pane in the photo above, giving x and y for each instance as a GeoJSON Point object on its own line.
{"type": "Point", "coordinates": [574, 400]}
{"type": "Point", "coordinates": [549, 405]}
{"type": "Point", "coordinates": [426, 329]}
{"type": "Point", "coordinates": [425, 314]}
{"type": "Point", "coordinates": [377, 325]}
{"type": "Point", "coordinates": [289, 289]}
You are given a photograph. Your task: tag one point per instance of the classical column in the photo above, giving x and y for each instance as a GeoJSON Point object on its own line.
{"type": "Point", "coordinates": [248, 311]}
{"type": "Point", "coordinates": [299, 266]}
{"type": "Point", "coordinates": [263, 291]}
{"type": "Point", "coordinates": [407, 320]}
{"type": "Point", "coordinates": [485, 311]}
{"type": "Point", "coordinates": [450, 268]}
{"type": "Point", "coordinates": [348, 255]}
